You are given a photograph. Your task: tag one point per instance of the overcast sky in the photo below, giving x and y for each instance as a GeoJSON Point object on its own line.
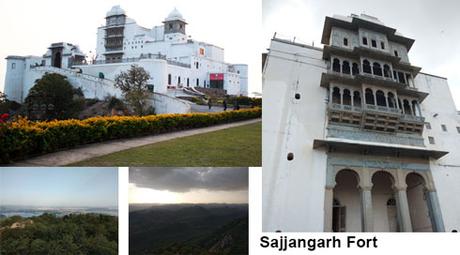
{"type": "Point", "coordinates": [432, 23]}
{"type": "Point", "coordinates": [188, 185]}
{"type": "Point", "coordinates": [61, 187]}
{"type": "Point", "coordinates": [29, 27]}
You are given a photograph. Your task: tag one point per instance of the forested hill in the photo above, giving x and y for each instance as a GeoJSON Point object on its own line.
{"type": "Point", "coordinates": [48, 234]}
{"type": "Point", "coordinates": [189, 229]}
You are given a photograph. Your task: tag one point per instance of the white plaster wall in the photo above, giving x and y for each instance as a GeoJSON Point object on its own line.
{"type": "Point", "coordinates": [243, 79]}
{"type": "Point", "coordinates": [293, 191]}
{"type": "Point", "coordinates": [372, 35]}
{"type": "Point", "coordinates": [402, 51]}
{"type": "Point", "coordinates": [14, 79]}
{"type": "Point", "coordinates": [439, 108]}
{"type": "Point", "coordinates": [167, 104]}
{"type": "Point", "coordinates": [337, 35]}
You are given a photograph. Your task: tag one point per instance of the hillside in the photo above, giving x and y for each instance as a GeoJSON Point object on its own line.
{"type": "Point", "coordinates": [189, 229]}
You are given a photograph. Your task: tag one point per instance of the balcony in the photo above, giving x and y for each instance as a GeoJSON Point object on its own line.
{"type": "Point", "coordinates": [373, 117]}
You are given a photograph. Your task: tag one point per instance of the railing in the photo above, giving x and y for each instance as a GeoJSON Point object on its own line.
{"type": "Point", "coordinates": [143, 56]}
{"type": "Point", "coordinates": [412, 118]}
{"type": "Point", "coordinates": [379, 108]}
{"type": "Point", "coordinates": [345, 107]}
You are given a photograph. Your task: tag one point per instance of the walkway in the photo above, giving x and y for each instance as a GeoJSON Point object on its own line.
{"type": "Point", "coordinates": [88, 151]}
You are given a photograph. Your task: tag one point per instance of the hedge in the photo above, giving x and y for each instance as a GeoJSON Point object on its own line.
{"type": "Point", "coordinates": [24, 138]}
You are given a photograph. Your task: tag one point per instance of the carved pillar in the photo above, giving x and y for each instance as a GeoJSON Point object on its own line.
{"type": "Point", "coordinates": [435, 211]}
{"type": "Point", "coordinates": [368, 215]}
{"type": "Point", "coordinates": [403, 208]}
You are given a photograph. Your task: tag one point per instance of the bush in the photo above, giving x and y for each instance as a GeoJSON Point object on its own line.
{"type": "Point", "coordinates": [23, 138]}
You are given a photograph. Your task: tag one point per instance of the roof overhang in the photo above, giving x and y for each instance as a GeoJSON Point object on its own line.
{"type": "Point", "coordinates": [360, 23]}
{"type": "Point", "coordinates": [377, 148]}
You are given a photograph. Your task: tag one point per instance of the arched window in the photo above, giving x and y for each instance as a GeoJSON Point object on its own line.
{"type": "Point", "coordinates": [401, 78]}
{"type": "Point", "coordinates": [377, 69]}
{"type": "Point", "coordinates": [386, 71]}
{"type": "Point", "coordinates": [415, 107]}
{"type": "Point", "coordinates": [357, 99]}
{"type": "Point", "coordinates": [336, 95]}
{"type": "Point", "coordinates": [346, 97]}
{"type": "Point", "coordinates": [391, 100]}
{"type": "Point", "coordinates": [346, 67]}
{"type": "Point", "coordinates": [407, 107]}
{"type": "Point", "coordinates": [369, 97]}
{"type": "Point", "coordinates": [336, 65]}
{"type": "Point", "coordinates": [380, 98]}
{"type": "Point", "coordinates": [355, 69]}
{"type": "Point", "coordinates": [367, 66]}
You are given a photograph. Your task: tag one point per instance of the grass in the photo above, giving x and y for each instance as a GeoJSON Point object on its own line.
{"type": "Point", "coordinates": [238, 146]}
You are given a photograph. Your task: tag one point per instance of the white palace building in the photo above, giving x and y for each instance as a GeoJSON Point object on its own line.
{"type": "Point", "coordinates": [355, 137]}
{"type": "Point", "coordinates": [176, 63]}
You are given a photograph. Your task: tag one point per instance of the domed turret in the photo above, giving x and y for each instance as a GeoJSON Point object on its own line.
{"type": "Point", "coordinates": [175, 23]}
{"type": "Point", "coordinates": [115, 11]}
{"type": "Point", "coordinates": [175, 15]}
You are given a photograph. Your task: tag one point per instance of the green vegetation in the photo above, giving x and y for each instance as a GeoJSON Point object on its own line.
{"type": "Point", "coordinates": [23, 138]}
{"type": "Point", "coordinates": [53, 97]}
{"type": "Point", "coordinates": [133, 85]}
{"type": "Point", "coordinates": [72, 234]}
{"type": "Point", "coordinates": [194, 230]}
{"type": "Point", "coordinates": [239, 146]}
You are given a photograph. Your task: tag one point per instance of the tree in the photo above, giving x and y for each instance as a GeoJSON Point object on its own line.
{"type": "Point", "coordinates": [133, 85]}
{"type": "Point", "coordinates": [53, 97]}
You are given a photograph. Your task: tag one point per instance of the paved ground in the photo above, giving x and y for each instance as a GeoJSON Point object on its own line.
{"type": "Point", "coordinates": [98, 149]}
{"type": "Point", "coordinates": [205, 108]}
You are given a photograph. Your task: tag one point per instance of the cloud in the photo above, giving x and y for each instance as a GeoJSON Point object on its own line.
{"type": "Point", "coordinates": [187, 179]}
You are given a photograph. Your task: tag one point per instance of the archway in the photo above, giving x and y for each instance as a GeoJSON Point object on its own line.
{"type": "Point", "coordinates": [336, 95]}
{"type": "Point", "coordinates": [347, 192]}
{"type": "Point", "coordinates": [383, 203]}
{"type": "Point", "coordinates": [356, 99]}
{"type": "Point", "coordinates": [346, 97]}
{"type": "Point", "coordinates": [369, 96]}
{"type": "Point", "coordinates": [418, 206]}
{"type": "Point", "coordinates": [381, 101]}
{"type": "Point", "coordinates": [57, 60]}
{"type": "Point", "coordinates": [367, 66]}
{"type": "Point", "coordinates": [346, 67]}
{"type": "Point", "coordinates": [336, 65]}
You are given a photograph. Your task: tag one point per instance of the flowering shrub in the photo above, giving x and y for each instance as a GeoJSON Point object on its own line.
{"type": "Point", "coordinates": [23, 138]}
{"type": "Point", "coordinates": [4, 117]}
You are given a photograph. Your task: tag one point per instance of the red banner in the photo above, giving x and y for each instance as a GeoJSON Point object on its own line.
{"type": "Point", "coordinates": [216, 77]}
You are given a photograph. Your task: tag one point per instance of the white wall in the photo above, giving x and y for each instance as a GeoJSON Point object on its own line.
{"type": "Point", "coordinates": [167, 104]}
{"type": "Point", "coordinates": [293, 191]}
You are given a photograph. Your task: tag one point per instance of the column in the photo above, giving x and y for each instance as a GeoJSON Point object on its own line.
{"type": "Point", "coordinates": [435, 209]}
{"type": "Point", "coordinates": [328, 207]}
{"type": "Point", "coordinates": [402, 205]}
{"type": "Point", "coordinates": [341, 95]}
{"type": "Point", "coordinates": [368, 215]}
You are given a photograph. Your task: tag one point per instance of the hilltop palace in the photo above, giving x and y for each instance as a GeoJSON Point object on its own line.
{"type": "Point", "coordinates": [176, 63]}
{"type": "Point", "coordinates": [356, 138]}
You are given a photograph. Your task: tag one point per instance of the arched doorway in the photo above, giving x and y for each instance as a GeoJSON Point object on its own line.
{"type": "Point", "coordinates": [418, 206]}
{"type": "Point", "coordinates": [348, 217]}
{"type": "Point", "coordinates": [383, 203]}
{"type": "Point", "coordinates": [57, 60]}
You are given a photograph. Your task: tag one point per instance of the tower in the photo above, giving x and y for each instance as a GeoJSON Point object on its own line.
{"type": "Point", "coordinates": [174, 26]}
{"type": "Point", "coordinates": [114, 34]}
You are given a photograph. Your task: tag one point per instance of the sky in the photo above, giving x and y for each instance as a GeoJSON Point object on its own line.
{"type": "Point", "coordinates": [29, 27]}
{"type": "Point", "coordinates": [433, 25]}
{"type": "Point", "coordinates": [59, 187]}
{"type": "Point", "coordinates": [188, 185]}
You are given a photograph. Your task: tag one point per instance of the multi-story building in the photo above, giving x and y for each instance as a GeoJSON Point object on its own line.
{"type": "Point", "coordinates": [355, 137]}
{"type": "Point", "coordinates": [173, 59]}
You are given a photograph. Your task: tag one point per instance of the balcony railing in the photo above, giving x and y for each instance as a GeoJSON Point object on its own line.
{"type": "Point", "coordinates": [384, 109]}
{"type": "Point", "coordinates": [346, 107]}
{"type": "Point", "coordinates": [412, 118]}
{"type": "Point", "coordinates": [377, 108]}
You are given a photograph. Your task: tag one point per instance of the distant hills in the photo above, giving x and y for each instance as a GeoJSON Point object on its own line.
{"type": "Point", "coordinates": [188, 229]}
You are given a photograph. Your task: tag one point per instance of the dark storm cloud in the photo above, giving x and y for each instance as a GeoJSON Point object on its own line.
{"type": "Point", "coordinates": [186, 179]}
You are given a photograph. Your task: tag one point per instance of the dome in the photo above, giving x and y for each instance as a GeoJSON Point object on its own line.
{"type": "Point", "coordinates": [175, 15]}
{"type": "Point", "coordinates": [116, 10]}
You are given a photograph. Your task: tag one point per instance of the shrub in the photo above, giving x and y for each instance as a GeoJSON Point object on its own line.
{"type": "Point", "coordinates": [23, 138]}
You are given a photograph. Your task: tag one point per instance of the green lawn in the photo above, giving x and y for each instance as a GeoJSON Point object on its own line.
{"type": "Point", "coordinates": [239, 146]}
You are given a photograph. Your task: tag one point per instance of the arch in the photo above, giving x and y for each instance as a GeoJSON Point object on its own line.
{"type": "Point", "coordinates": [381, 101]}
{"type": "Point", "coordinates": [391, 100]}
{"type": "Point", "coordinates": [57, 60]}
{"type": "Point", "coordinates": [420, 214]}
{"type": "Point", "coordinates": [407, 107]}
{"type": "Point", "coordinates": [336, 65]}
{"type": "Point", "coordinates": [377, 69]}
{"type": "Point", "coordinates": [369, 96]}
{"type": "Point", "coordinates": [385, 217]}
{"type": "Point", "coordinates": [355, 69]}
{"type": "Point", "coordinates": [386, 71]}
{"type": "Point", "coordinates": [346, 97]}
{"type": "Point", "coordinates": [346, 67]}
{"type": "Point", "coordinates": [347, 217]}
{"type": "Point", "coordinates": [356, 99]}
{"type": "Point", "coordinates": [367, 66]}
{"type": "Point", "coordinates": [336, 95]}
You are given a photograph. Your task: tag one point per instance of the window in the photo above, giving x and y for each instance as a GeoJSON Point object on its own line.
{"type": "Point", "coordinates": [197, 82]}
{"type": "Point", "coordinates": [428, 125]}
{"type": "Point", "coordinates": [170, 26]}
{"type": "Point", "coordinates": [13, 65]}
{"type": "Point", "coordinates": [345, 41]}
{"type": "Point", "coordinates": [382, 45]}
{"type": "Point", "coordinates": [458, 130]}
{"type": "Point", "coordinates": [374, 43]}
{"type": "Point", "coordinates": [431, 139]}
{"type": "Point", "coordinates": [364, 40]}
{"type": "Point", "coordinates": [169, 79]}
{"type": "Point", "coordinates": [396, 53]}
{"type": "Point", "coordinates": [444, 128]}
